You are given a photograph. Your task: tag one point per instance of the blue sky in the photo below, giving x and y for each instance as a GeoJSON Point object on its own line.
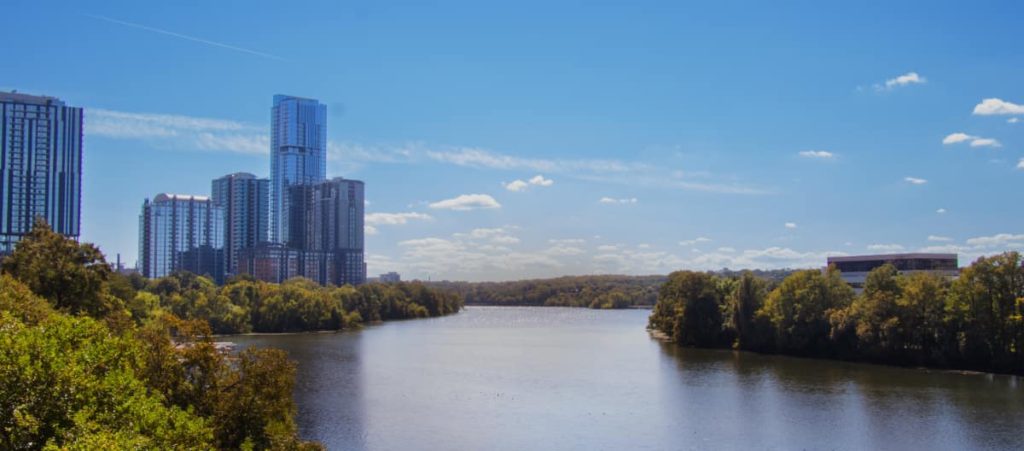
{"type": "Point", "coordinates": [665, 135]}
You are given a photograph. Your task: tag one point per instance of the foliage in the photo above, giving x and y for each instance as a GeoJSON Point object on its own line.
{"type": "Point", "coordinates": [693, 305]}
{"type": "Point", "coordinates": [245, 305]}
{"type": "Point", "coordinates": [69, 382]}
{"type": "Point", "coordinates": [70, 275]}
{"type": "Point", "coordinates": [72, 382]}
{"type": "Point", "coordinates": [91, 359]}
{"type": "Point", "coordinates": [975, 322]}
{"type": "Point", "coordinates": [569, 291]}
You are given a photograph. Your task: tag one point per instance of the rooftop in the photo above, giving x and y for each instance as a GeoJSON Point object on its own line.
{"type": "Point", "coordinates": [28, 98]}
{"type": "Point", "coordinates": [888, 257]}
{"type": "Point", "coordinates": [164, 197]}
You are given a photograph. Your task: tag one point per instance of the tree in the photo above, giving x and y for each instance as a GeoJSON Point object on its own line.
{"type": "Point", "coordinates": [878, 319]}
{"type": "Point", "coordinates": [799, 308]}
{"type": "Point", "coordinates": [984, 306]}
{"type": "Point", "coordinates": [72, 276]}
{"type": "Point", "coordinates": [745, 300]}
{"type": "Point", "coordinates": [693, 307]}
{"type": "Point", "coordinates": [68, 382]}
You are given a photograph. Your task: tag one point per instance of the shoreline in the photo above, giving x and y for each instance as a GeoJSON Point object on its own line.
{"type": "Point", "coordinates": [664, 338]}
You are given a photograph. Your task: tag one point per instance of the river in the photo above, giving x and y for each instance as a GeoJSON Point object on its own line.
{"type": "Point", "coordinates": [534, 378]}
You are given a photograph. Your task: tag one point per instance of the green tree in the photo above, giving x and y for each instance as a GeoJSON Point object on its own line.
{"type": "Point", "coordinates": [745, 300]}
{"type": "Point", "coordinates": [798, 310]}
{"type": "Point", "coordinates": [693, 306]}
{"type": "Point", "coordinates": [984, 305]}
{"type": "Point", "coordinates": [72, 276]}
{"type": "Point", "coordinates": [878, 318]}
{"type": "Point", "coordinates": [68, 382]}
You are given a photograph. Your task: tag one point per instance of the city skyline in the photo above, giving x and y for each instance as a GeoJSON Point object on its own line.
{"type": "Point", "coordinates": [502, 159]}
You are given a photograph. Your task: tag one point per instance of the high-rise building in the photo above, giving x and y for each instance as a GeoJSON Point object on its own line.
{"type": "Point", "coordinates": [245, 200]}
{"type": "Point", "coordinates": [181, 232]}
{"type": "Point", "coordinates": [327, 225]}
{"type": "Point", "coordinates": [40, 166]}
{"type": "Point", "coordinates": [298, 155]}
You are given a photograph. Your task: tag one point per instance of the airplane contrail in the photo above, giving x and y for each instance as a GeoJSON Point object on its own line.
{"type": "Point", "coordinates": [183, 36]}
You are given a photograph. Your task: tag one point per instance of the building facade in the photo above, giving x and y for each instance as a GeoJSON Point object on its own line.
{"type": "Point", "coordinates": [298, 155]}
{"type": "Point", "coordinates": [855, 269]}
{"type": "Point", "coordinates": [328, 219]}
{"type": "Point", "coordinates": [245, 200]}
{"type": "Point", "coordinates": [40, 166]}
{"type": "Point", "coordinates": [390, 277]}
{"type": "Point", "coordinates": [269, 262]}
{"type": "Point", "coordinates": [325, 242]}
{"type": "Point", "coordinates": [181, 232]}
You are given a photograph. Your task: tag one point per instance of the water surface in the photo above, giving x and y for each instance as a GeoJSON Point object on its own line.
{"type": "Point", "coordinates": [523, 378]}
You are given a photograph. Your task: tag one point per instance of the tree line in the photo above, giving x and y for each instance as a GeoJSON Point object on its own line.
{"type": "Point", "coordinates": [918, 319]}
{"type": "Point", "coordinates": [245, 305]}
{"type": "Point", "coordinates": [598, 292]}
{"type": "Point", "coordinates": [91, 359]}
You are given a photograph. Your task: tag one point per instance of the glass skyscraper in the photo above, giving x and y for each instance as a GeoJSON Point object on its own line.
{"type": "Point", "coordinates": [298, 155]}
{"type": "Point", "coordinates": [245, 200]}
{"type": "Point", "coordinates": [40, 166]}
{"type": "Point", "coordinates": [181, 232]}
{"type": "Point", "coordinates": [327, 224]}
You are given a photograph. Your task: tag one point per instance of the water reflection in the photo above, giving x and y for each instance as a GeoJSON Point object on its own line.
{"type": "Point", "coordinates": [791, 402]}
{"type": "Point", "coordinates": [328, 386]}
{"type": "Point", "coordinates": [549, 378]}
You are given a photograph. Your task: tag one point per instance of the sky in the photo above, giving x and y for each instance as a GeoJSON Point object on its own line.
{"type": "Point", "coordinates": [530, 139]}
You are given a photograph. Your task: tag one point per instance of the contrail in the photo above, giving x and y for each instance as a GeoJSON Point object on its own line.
{"type": "Point", "coordinates": [190, 38]}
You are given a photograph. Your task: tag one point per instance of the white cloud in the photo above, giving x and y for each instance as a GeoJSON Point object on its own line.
{"type": "Point", "coordinates": [482, 254]}
{"type": "Point", "coordinates": [998, 240]}
{"type": "Point", "coordinates": [819, 154]}
{"type": "Point", "coordinates": [564, 251]}
{"type": "Point", "coordinates": [790, 225]}
{"type": "Point", "coordinates": [768, 258]}
{"type": "Point", "coordinates": [975, 141]}
{"type": "Point", "coordinates": [520, 185]}
{"type": "Point", "coordinates": [369, 229]}
{"type": "Point", "coordinates": [980, 246]}
{"type": "Point", "coordinates": [610, 200]}
{"type": "Point", "coordinates": [178, 130]}
{"type": "Point", "coordinates": [567, 241]}
{"type": "Point", "coordinates": [602, 171]}
{"type": "Point", "coordinates": [539, 180]}
{"type": "Point", "coordinates": [697, 240]}
{"type": "Point", "coordinates": [941, 211]}
{"type": "Point", "coordinates": [939, 238]}
{"type": "Point", "coordinates": [915, 180]}
{"type": "Point", "coordinates": [395, 218]}
{"type": "Point", "coordinates": [1020, 164]}
{"type": "Point", "coordinates": [1013, 120]}
{"type": "Point", "coordinates": [186, 132]}
{"type": "Point", "coordinates": [466, 202]}
{"type": "Point", "coordinates": [957, 137]}
{"type": "Point", "coordinates": [727, 250]}
{"type": "Point", "coordinates": [885, 247]}
{"type": "Point", "coordinates": [994, 106]}
{"type": "Point", "coordinates": [985, 142]}
{"type": "Point", "coordinates": [909, 78]}
{"type": "Point", "coordinates": [517, 185]}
